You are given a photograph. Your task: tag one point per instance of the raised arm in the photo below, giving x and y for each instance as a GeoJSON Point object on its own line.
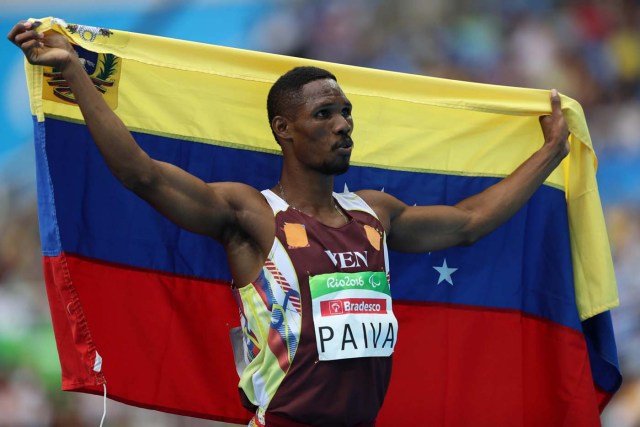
{"type": "Point", "coordinates": [425, 228]}
{"type": "Point", "coordinates": [211, 209]}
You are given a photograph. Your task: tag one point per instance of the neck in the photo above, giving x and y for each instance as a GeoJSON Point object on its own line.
{"type": "Point", "coordinates": [313, 191]}
{"type": "Point", "coordinates": [313, 200]}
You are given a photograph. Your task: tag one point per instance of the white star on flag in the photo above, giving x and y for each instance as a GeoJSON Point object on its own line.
{"type": "Point", "coordinates": [445, 272]}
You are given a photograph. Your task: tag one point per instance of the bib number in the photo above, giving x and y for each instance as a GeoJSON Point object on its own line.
{"type": "Point", "coordinates": [352, 315]}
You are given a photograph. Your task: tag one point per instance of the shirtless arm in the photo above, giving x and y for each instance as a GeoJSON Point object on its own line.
{"type": "Point", "coordinates": [232, 213]}
{"type": "Point", "coordinates": [425, 228]}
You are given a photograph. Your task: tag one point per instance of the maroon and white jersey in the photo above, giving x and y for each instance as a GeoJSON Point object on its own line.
{"type": "Point", "coordinates": [318, 324]}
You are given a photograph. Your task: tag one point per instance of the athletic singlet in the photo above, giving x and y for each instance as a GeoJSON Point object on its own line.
{"type": "Point", "coordinates": [335, 375]}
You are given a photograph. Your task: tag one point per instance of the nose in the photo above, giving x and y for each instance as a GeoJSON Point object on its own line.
{"type": "Point", "coordinates": [344, 125]}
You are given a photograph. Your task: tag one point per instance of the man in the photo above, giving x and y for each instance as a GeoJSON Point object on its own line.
{"type": "Point", "coordinates": [297, 249]}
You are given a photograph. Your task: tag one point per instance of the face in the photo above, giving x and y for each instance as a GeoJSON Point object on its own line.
{"type": "Point", "coordinates": [320, 129]}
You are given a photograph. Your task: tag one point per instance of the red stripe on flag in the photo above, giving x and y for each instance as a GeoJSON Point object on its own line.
{"type": "Point", "coordinates": [151, 331]}
{"type": "Point", "coordinates": [458, 366]}
{"type": "Point", "coordinates": [76, 348]}
{"type": "Point", "coordinates": [165, 345]}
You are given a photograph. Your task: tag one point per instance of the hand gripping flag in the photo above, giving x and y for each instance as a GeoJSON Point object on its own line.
{"type": "Point", "coordinates": [513, 330]}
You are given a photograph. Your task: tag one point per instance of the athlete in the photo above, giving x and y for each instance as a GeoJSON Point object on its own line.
{"type": "Point", "coordinates": [295, 247]}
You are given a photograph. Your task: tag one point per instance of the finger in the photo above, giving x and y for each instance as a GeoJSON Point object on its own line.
{"type": "Point", "coordinates": [27, 35]}
{"type": "Point", "coordinates": [556, 103]}
{"type": "Point", "coordinates": [27, 46]}
{"type": "Point", "coordinates": [20, 27]}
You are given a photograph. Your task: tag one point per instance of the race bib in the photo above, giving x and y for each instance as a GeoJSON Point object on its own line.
{"type": "Point", "coordinates": [352, 315]}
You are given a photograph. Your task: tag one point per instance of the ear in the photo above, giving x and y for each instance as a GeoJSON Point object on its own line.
{"type": "Point", "coordinates": [280, 127]}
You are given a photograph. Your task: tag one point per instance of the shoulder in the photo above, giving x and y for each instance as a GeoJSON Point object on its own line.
{"type": "Point", "coordinates": [240, 196]}
{"type": "Point", "coordinates": [251, 216]}
{"type": "Point", "coordinates": [386, 206]}
{"type": "Point", "coordinates": [249, 233]}
{"type": "Point", "coordinates": [380, 200]}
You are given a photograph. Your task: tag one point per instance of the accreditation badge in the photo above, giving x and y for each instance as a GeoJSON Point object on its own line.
{"type": "Point", "coordinates": [352, 315]}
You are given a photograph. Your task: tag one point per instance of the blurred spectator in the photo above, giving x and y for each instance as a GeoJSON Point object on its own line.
{"type": "Point", "coordinates": [22, 400]}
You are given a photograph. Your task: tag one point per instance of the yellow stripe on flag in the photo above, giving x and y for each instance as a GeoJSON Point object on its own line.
{"type": "Point", "coordinates": [217, 95]}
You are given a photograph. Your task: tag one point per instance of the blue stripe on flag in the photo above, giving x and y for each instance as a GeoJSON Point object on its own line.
{"type": "Point", "coordinates": [49, 237]}
{"type": "Point", "coordinates": [603, 353]}
{"type": "Point", "coordinates": [525, 265]}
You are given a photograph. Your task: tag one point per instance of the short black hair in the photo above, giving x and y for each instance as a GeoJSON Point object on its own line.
{"type": "Point", "coordinates": [288, 86]}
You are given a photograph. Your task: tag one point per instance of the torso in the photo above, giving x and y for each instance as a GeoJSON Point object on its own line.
{"type": "Point", "coordinates": [288, 378]}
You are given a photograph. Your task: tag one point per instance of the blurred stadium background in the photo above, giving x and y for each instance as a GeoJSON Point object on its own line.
{"type": "Point", "coordinates": [589, 50]}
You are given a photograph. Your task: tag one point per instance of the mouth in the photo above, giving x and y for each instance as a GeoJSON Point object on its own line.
{"type": "Point", "coordinates": [344, 146]}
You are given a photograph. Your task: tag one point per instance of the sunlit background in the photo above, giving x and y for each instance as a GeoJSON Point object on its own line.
{"type": "Point", "coordinates": [589, 50]}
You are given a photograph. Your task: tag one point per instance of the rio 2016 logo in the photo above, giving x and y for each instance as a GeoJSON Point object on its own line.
{"type": "Point", "coordinates": [344, 282]}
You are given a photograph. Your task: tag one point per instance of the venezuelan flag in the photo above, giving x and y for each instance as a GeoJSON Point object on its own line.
{"type": "Point", "coordinates": [514, 330]}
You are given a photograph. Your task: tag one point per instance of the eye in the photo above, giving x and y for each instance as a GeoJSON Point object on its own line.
{"type": "Point", "coordinates": [346, 112]}
{"type": "Point", "coordinates": [323, 114]}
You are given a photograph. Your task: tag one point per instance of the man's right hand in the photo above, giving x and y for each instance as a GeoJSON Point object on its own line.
{"type": "Point", "coordinates": [50, 49]}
